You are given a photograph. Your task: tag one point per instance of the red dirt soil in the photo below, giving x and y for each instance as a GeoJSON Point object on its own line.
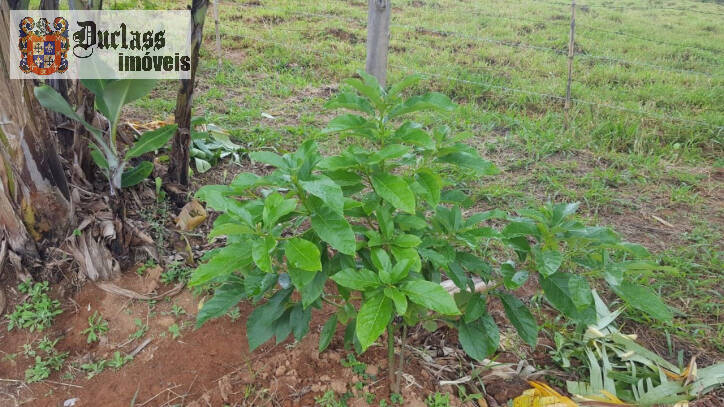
{"type": "Point", "coordinates": [211, 366]}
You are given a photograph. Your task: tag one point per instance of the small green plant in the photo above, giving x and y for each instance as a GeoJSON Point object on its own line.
{"type": "Point", "coordinates": [396, 398]}
{"type": "Point", "coordinates": [359, 368]}
{"type": "Point", "coordinates": [118, 360]}
{"type": "Point", "coordinates": [176, 273]}
{"type": "Point", "coordinates": [174, 330]}
{"type": "Point", "coordinates": [110, 97]}
{"type": "Point", "coordinates": [329, 399]}
{"type": "Point", "coordinates": [94, 368]}
{"type": "Point", "coordinates": [141, 329]}
{"type": "Point", "coordinates": [384, 223]}
{"type": "Point", "coordinates": [438, 400]}
{"type": "Point", "coordinates": [46, 357]}
{"type": "Point", "coordinates": [97, 327]}
{"type": "Point", "coordinates": [36, 313]}
{"type": "Point", "coordinates": [177, 310]}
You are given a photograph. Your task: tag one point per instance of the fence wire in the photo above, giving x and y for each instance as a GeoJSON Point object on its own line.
{"type": "Point", "coordinates": [335, 56]}
{"type": "Point", "coordinates": [516, 44]}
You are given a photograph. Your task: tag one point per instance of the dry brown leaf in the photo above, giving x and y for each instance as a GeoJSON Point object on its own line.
{"type": "Point", "coordinates": [191, 216]}
{"type": "Point", "coordinates": [93, 257]}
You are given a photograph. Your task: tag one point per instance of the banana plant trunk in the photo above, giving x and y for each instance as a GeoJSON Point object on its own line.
{"type": "Point", "coordinates": [178, 170]}
{"type": "Point", "coordinates": [35, 201]}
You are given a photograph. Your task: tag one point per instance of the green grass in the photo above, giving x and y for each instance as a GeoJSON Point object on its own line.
{"type": "Point", "coordinates": [624, 167]}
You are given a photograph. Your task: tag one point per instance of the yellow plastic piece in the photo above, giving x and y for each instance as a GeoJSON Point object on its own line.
{"type": "Point", "coordinates": [542, 395]}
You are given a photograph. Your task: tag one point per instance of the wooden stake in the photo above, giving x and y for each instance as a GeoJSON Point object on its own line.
{"type": "Point", "coordinates": [378, 38]}
{"type": "Point", "coordinates": [571, 53]}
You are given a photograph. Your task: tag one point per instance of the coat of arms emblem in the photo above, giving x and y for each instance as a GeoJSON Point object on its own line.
{"type": "Point", "coordinates": [43, 48]}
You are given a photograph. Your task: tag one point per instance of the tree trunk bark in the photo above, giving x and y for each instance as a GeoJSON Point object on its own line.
{"type": "Point", "coordinates": [178, 169]}
{"type": "Point", "coordinates": [35, 201]}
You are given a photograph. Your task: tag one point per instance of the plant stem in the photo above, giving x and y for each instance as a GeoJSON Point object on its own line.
{"type": "Point", "coordinates": [391, 371]}
{"type": "Point", "coordinates": [401, 358]}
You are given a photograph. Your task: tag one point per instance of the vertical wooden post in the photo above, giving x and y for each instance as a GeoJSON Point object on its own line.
{"type": "Point", "coordinates": [571, 53]}
{"type": "Point", "coordinates": [218, 36]}
{"type": "Point", "coordinates": [378, 38]}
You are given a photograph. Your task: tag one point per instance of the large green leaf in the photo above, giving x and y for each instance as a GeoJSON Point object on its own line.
{"type": "Point", "coordinates": [521, 318]}
{"type": "Point", "coordinates": [361, 279]}
{"type": "Point", "coordinates": [349, 122]}
{"type": "Point", "coordinates": [431, 183]}
{"type": "Point", "coordinates": [151, 141]}
{"type": "Point", "coordinates": [325, 337]}
{"type": "Point", "coordinates": [124, 91]}
{"type": "Point", "coordinates": [429, 101]}
{"type": "Point", "coordinates": [136, 174]}
{"type": "Point", "coordinates": [430, 295]}
{"type": "Point", "coordinates": [372, 319]}
{"type": "Point", "coordinates": [370, 88]}
{"type": "Point", "coordinates": [644, 299]}
{"type": "Point", "coordinates": [227, 260]}
{"type": "Point", "coordinates": [547, 261]}
{"type": "Point", "coordinates": [398, 298]}
{"type": "Point", "coordinates": [471, 161]}
{"type": "Point", "coordinates": [480, 338]}
{"type": "Point", "coordinates": [261, 249]}
{"type": "Point", "coordinates": [275, 207]}
{"type": "Point", "coordinates": [327, 190]}
{"type": "Point", "coordinates": [350, 101]}
{"type": "Point", "coordinates": [267, 157]}
{"type": "Point", "coordinates": [312, 290]}
{"type": "Point", "coordinates": [303, 254]}
{"type": "Point", "coordinates": [333, 228]}
{"type": "Point", "coordinates": [225, 297]}
{"type": "Point", "coordinates": [261, 322]}
{"type": "Point", "coordinates": [560, 290]}
{"type": "Point", "coordinates": [394, 190]}
{"type": "Point", "coordinates": [299, 320]}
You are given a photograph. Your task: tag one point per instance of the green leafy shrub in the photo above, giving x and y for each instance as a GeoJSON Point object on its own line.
{"type": "Point", "coordinates": [110, 97]}
{"type": "Point", "coordinates": [36, 313]}
{"type": "Point", "coordinates": [383, 222]}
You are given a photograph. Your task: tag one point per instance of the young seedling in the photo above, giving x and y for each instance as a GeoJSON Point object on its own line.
{"type": "Point", "coordinates": [118, 360]}
{"type": "Point", "coordinates": [47, 359]}
{"type": "Point", "coordinates": [97, 327]}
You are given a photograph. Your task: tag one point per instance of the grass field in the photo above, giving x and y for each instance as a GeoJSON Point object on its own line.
{"type": "Point", "coordinates": [644, 151]}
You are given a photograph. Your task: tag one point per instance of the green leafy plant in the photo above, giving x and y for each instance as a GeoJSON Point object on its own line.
{"type": "Point", "coordinates": [174, 330]}
{"type": "Point", "coordinates": [36, 313]}
{"type": "Point", "coordinates": [110, 97]}
{"type": "Point", "coordinates": [118, 360]}
{"type": "Point", "coordinates": [438, 400]}
{"type": "Point", "coordinates": [141, 329]}
{"type": "Point", "coordinates": [94, 368]}
{"type": "Point", "coordinates": [97, 326]}
{"type": "Point", "coordinates": [210, 144]}
{"type": "Point", "coordinates": [383, 221]}
{"type": "Point", "coordinates": [176, 273]}
{"type": "Point", "coordinates": [46, 357]}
